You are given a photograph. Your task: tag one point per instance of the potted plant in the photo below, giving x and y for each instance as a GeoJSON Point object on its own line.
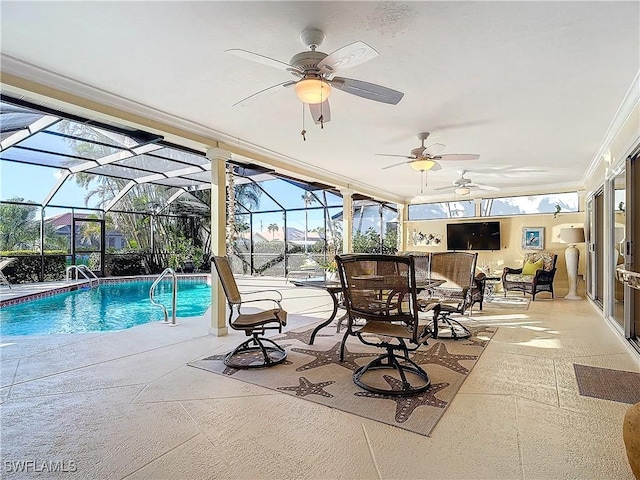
{"type": "Point", "coordinates": [330, 270]}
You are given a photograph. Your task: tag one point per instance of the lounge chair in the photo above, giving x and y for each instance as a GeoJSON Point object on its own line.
{"type": "Point", "coordinates": [5, 262]}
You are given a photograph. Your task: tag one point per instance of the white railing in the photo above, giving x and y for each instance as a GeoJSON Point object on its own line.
{"type": "Point", "coordinates": [84, 271]}
{"type": "Point", "coordinates": [174, 281]}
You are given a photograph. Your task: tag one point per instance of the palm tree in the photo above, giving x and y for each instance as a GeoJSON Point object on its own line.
{"type": "Point", "coordinates": [273, 228]}
{"type": "Point", "coordinates": [308, 198]}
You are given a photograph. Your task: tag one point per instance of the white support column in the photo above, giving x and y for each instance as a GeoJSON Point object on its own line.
{"type": "Point", "coordinates": [347, 220]}
{"type": "Point", "coordinates": [402, 218]}
{"type": "Point", "coordinates": [218, 159]}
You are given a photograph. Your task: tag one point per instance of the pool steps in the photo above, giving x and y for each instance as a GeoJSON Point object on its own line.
{"type": "Point", "coordinates": [84, 271]}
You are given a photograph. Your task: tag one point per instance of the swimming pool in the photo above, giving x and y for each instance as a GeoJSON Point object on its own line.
{"type": "Point", "coordinates": [112, 306]}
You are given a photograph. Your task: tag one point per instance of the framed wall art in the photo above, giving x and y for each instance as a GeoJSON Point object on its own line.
{"type": "Point", "coordinates": [532, 238]}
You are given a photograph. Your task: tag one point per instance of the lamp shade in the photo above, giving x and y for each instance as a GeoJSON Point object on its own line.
{"type": "Point", "coordinates": [618, 235]}
{"type": "Point", "coordinates": [422, 164]}
{"type": "Point", "coordinates": [312, 90]}
{"type": "Point", "coordinates": [463, 190]}
{"type": "Point", "coordinates": [572, 235]}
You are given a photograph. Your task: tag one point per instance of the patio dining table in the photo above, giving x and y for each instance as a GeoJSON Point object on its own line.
{"type": "Point", "coordinates": [334, 289]}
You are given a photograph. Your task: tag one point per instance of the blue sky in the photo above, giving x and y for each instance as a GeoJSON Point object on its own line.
{"type": "Point", "coordinates": [33, 183]}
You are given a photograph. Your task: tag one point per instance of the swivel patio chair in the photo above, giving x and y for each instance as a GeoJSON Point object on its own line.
{"type": "Point", "coordinates": [254, 352]}
{"type": "Point", "coordinates": [5, 262]}
{"type": "Point", "coordinates": [381, 291]}
{"type": "Point", "coordinates": [456, 294]}
{"type": "Point", "coordinates": [536, 274]}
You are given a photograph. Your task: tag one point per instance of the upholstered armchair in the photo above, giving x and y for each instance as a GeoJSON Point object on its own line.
{"type": "Point", "coordinates": [536, 274]}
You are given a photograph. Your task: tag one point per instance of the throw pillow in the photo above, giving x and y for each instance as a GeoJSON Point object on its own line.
{"type": "Point", "coordinates": [530, 268]}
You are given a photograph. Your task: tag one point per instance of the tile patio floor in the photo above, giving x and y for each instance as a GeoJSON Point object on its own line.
{"type": "Point", "coordinates": [125, 405]}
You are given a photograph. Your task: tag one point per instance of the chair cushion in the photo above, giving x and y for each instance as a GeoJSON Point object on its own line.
{"type": "Point", "coordinates": [248, 321]}
{"type": "Point", "coordinates": [519, 278]}
{"type": "Point", "coordinates": [530, 268]}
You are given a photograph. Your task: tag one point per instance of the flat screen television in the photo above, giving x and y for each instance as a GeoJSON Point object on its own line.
{"type": "Point", "coordinates": [473, 236]}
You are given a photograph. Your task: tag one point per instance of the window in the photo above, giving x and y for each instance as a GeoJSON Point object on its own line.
{"type": "Point", "coordinates": [530, 204]}
{"type": "Point", "coordinates": [430, 211]}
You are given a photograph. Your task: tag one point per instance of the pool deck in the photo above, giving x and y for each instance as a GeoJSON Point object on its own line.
{"type": "Point", "coordinates": [125, 404]}
{"type": "Point", "coordinates": [23, 290]}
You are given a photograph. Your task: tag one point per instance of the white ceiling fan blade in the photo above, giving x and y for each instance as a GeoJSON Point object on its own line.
{"type": "Point", "coordinates": [319, 110]}
{"type": "Point", "coordinates": [434, 149]}
{"type": "Point", "coordinates": [396, 164]}
{"type": "Point", "coordinates": [394, 155]}
{"type": "Point", "coordinates": [436, 167]}
{"type": "Point", "coordinates": [256, 57]}
{"type": "Point", "coordinates": [457, 156]}
{"type": "Point", "coordinates": [367, 90]}
{"type": "Point", "coordinates": [486, 187]}
{"type": "Point", "coordinates": [346, 57]}
{"type": "Point", "coordinates": [266, 91]}
{"type": "Point", "coordinates": [449, 187]}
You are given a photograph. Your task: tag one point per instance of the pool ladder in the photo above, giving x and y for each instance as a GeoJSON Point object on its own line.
{"type": "Point", "coordinates": [85, 272]}
{"type": "Point", "coordinates": [152, 290]}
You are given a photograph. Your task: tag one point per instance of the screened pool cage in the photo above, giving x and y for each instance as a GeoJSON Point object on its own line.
{"type": "Point", "coordinates": [126, 202]}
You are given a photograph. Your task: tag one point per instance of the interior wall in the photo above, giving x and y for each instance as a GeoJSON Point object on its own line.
{"type": "Point", "coordinates": [511, 254]}
{"type": "Point", "coordinates": [624, 139]}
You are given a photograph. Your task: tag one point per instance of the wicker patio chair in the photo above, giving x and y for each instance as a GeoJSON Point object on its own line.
{"type": "Point", "coordinates": [5, 262]}
{"type": "Point", "coordinates": [252, 353]}
{"type": "Point", "coordinates": [540, 281]}
{"type": "Point", "coordinates": [381, 291]}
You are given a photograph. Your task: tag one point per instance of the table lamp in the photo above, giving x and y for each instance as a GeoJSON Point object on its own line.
{"type": "Point", "coordinates": [572, 236]}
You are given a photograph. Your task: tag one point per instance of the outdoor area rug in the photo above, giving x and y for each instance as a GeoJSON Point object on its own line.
{"type": "Point", "coordinates": [314, 372]}
{"type": "Point", "coordinates": [608, 384]}
{"type": "Point", "coordinates": [498, 300]}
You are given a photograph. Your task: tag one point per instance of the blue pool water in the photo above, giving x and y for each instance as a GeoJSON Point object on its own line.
{"type": "Point", "coordinates": [106, 308]}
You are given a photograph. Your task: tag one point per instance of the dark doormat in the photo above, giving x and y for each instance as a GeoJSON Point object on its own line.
{"type": "Point", "coordinates": [607, 384]}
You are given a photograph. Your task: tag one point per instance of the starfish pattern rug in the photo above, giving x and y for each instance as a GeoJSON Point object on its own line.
{"type": "Point", "coordinates": [315, 373]}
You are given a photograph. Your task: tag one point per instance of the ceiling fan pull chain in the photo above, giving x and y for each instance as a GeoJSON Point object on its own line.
{"type": "Point", "coordinates": [321, 119]}
{"type": "Point", "coordinates": [303, 132]}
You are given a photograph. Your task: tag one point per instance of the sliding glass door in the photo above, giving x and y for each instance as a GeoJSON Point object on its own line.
{"type": "Point", "coordinates": [595, 251]}
{"type": "Point", "coordinates": [632, 247]}
{"type": "Point", "coordinates": [618, 216]}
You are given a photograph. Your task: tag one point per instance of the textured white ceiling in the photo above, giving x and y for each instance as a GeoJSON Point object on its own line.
{"type": "Point", "coordinates": [529, 86]}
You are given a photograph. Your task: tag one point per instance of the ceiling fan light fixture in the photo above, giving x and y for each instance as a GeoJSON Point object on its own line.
{"type": "Point", "coordinates": [312, 90]}
{"type": "Point", "coordinates": [463, 190]}
{"type": "Point", "coordinates": [422, 165]}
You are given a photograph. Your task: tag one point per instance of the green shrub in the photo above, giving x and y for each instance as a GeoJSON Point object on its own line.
{"type": "Point", "coordinates": [123, 264]}
{"type": "Point", "coordinates": [26, 269]}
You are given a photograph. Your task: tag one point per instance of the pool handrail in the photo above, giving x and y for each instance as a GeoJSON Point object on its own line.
{"type": "Point", "coordinates": [174, 282]}
{"type": "Point", "coordinates": [86, 273]}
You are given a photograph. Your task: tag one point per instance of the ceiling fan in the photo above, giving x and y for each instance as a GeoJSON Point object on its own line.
{"type": "Point", "coordinates": [314, 72]}
{"type": "Point", "coordinates": [463, 186]}
{"type": "Point", "coordinates": [426, 158]}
